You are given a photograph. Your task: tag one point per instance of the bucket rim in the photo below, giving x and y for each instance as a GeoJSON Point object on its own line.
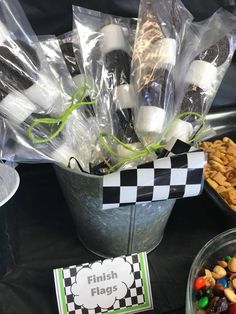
{"type": "Point", "coordinates": [75, 171]}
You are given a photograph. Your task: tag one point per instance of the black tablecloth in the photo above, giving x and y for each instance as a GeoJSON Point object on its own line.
{"type": "Point", "coordinates": [45, 239]}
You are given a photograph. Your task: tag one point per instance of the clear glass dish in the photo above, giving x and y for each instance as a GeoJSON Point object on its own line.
{"type": "Point", "coordinates": [222, 245]}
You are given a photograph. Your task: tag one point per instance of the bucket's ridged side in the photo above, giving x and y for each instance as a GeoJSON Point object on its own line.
{"type": "Point", "coordinates": [116, 231]}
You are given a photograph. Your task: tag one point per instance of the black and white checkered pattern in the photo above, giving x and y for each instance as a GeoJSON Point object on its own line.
{"type": "Point", "coordinates": [176, 147]}
{"type": "Point", "coordinates": [135, 294]}
{"type": "Point", "coordinates": [175, 176]}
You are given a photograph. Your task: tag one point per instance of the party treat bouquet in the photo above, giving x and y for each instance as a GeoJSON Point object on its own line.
{"type": "Point", "coordinates": [121, 98]}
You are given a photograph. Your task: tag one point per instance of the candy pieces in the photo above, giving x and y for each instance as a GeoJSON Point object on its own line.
{"type": "Point", "coordinates": [200, 282]}
{"type": "Point", "coordinates": [227, 258]}
{"type": "Point", "coordinates": [203, 302]}
{"type": "Point", "coordinates": [216, 291]}
{"type": "Point", "coordinates": [223, 282]}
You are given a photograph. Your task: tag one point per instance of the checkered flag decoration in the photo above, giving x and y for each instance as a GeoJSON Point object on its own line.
{"type": "Point", "coordinates": [136, 296]}
{"type": "Point", "coordinates": [178, 175]}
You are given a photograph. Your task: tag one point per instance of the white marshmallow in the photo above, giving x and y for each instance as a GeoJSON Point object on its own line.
{"type": "Point", "coordinates": [123, 152]}
{"type": "Point", "coordinates": [180, 129]}
{"type": "Point", "coordinates": [202, 74]}
{"type": "Point", "coordinates": [125, 96]}
{"type": "Point", "coordinates": [4, 34]}
{"type": "Point", "coordinates": [63, 154]}
{"type": "Point", "coordinates": [44, 92]}
{"type": "Point", "coordinates": [17, 107]}
{"type": "Point", "coordinates": [113, 39]}
{"type": "Point", "coordinates": [150, 119]}
{"type": "Point", "coordinates": [166, 52]}
{"type": "Point", "coordinates": [79, 80]}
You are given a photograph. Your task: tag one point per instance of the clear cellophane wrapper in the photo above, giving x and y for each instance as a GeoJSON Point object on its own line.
{"type": "Point", "coordinates": [160, 31]}
{"type": "Point", "coordinates": [206, 54]}
{"type": "Point", "coordinates": [106, 48]}
{"type": "Point", "coordinates": [32, 88]}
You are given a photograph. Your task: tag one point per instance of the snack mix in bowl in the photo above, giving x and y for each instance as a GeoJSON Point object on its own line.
{"type": "Point", "coordinates": [212, 278]}
{"type": "Point", "coordinates": [220, 171]}
{"type": "Point", "coordinates": [215, 290]}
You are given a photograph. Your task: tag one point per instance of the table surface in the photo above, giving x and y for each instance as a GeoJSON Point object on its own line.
{"type": "Point", "coordinates": [46, 239]}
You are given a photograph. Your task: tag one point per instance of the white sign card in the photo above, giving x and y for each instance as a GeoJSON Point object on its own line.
{"type": "Point", "coordinates": [117, 285]}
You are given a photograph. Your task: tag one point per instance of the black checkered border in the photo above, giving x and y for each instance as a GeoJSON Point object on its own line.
{"type": "Point", "coordinates": [177, 176]}
{"type": "Point", "coordinates": [135, 294]}
{"type": "Point", "coordinates": [176, 147]}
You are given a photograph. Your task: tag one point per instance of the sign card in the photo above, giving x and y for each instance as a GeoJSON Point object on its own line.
{"type": "Point", "coordinates": [117, 285]}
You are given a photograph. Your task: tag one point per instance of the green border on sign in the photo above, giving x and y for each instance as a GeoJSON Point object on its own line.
{"type": "Point", "coordinates": [62, 290]}
{"type": "Point", "coordinates": [143, 261]}
{"type": "Point", "coordinates": [142, 258]}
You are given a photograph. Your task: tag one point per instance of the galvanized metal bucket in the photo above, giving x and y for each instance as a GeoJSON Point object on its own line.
{"type": "Point", "coordinates": [116, 231]}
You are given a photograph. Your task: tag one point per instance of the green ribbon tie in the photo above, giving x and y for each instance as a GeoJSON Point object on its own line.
{"type": "Point", "coordinates": [143, 152]}
{"type": "Point", "coordinates": [61, 121]}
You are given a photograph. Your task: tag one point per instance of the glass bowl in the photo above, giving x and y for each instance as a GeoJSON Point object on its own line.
{"type": "Point", "coordinates": [222, 245]}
